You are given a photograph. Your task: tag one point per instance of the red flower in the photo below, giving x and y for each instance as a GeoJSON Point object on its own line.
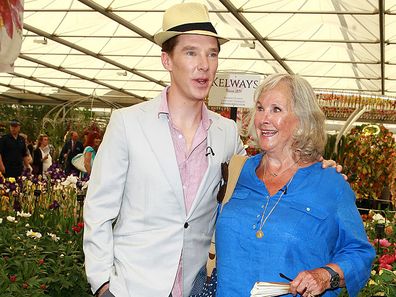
{"type": "Point", "coordinates": [41, 261]}
{"type": "Point", "coordinates": [9, 12]}
{"type": "Point", "coordinates": [76, 229]}
{"type": "Point", "coordinates": [387, 259]}
{"type": "Point", "coordinates": [43, 286]}
{"type": "Point", "coordinates": [25, 285]}
{"type": "Point", "coordinates": [13, 278]}
{"type": "Point", "coordinates": [81, 225]}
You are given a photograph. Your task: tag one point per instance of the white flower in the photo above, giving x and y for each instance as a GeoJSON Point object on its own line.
{"type": "Point", "coordinates": [53, 237]}
{"type": "Point", "coordinates": [70, 180]}
{"type": "Point", "coordinates": [379, 219]}
{"type": "Point", "coordinates": [23, 214]}
{"type": "Point", "coordinates": [33, 234]}
{"type": "Point", "coordinates": [27, 225]}
{"type": "Point", "coordinates": [42, 216]}
{"type": "Point", "coordinates": [11, 219]}
{"type": "Point", "coordinates": [1, 220]}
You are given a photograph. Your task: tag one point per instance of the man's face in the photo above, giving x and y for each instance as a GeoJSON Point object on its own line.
{"type": "Point", "coordinates": [74, 136]}
{"type": "Point", "coordinates": [192, 65]}
{"type": "Point", "coordinates": [14, 129]}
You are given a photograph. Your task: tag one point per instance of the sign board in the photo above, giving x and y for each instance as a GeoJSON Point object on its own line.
{"type": "Point", "coordinates": [233, 90]}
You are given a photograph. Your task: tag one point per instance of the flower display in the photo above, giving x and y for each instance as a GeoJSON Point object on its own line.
{"type": "Point", "coordinates": [380, 231]}
{"type": "Point", "coordinates": [41, 243]}
{"type": "Point", "coordinates": [37, 256]}
{"type": "Point", "coordinates": [369, 160]}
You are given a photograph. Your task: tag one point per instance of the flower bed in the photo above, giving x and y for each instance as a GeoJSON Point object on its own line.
{"type": "Point", "coordinates": [381, 232]}
{"type": "Point", "coordinates": [41, 239]}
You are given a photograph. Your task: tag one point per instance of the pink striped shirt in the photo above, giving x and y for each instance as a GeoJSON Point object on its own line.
{"type": "Point", "coordinates": [192, 167]}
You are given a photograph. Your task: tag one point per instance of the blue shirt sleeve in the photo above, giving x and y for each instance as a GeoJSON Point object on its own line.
{"type": "Point", "coordinates": [89, 149]}
{"type": "Point", "coordinates": [353, 253]}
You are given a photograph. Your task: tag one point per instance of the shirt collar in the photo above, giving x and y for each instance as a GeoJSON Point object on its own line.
{"type": "Point", "coordinates": [164, 110]}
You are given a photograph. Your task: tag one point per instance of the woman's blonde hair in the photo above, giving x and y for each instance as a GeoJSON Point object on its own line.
{"type": "Point", "coordinates": [309, 139]}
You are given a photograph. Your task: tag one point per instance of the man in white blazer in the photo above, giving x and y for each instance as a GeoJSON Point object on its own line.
{"type": "Point", "coordinates": [151, 203]}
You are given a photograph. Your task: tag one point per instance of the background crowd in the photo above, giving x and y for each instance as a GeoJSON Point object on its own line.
{"type": "Point", "coordinates": [19, 154]}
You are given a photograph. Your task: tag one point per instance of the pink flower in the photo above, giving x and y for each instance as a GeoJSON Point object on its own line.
{"type": "Point", "coordinates": [385, 243]}
{"type": "Point", "coordinates": [385, 266]}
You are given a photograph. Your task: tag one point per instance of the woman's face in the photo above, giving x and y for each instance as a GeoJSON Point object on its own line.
{"type": "Point", "coordinates": [97, 142]}
{"type": "Point", "coordinates": [45, 141]}
{"type": "Point", "coordinates": [275, 121]}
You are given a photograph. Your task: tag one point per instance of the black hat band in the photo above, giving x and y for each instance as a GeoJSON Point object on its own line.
{"type": "Point", "coordinates": [207, 26]}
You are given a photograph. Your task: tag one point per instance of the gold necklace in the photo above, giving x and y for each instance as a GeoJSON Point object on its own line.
{"type": "Point", "coordinates": [264, 218]}
{"type": "Point", "coordinates": [273, 174]}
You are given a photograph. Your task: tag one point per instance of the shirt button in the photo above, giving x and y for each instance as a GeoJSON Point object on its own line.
{"type": "Point", "coordinates": [186, 225]}
{"type": "Point", "coordinates": [308, 209]}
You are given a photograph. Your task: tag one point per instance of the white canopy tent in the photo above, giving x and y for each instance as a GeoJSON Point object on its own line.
{"type": "Point", "coordinates": [102, 52]}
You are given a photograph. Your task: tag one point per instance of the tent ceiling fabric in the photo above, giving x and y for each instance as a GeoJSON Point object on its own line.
{"type": "Point", "coordinates": [103, 51]}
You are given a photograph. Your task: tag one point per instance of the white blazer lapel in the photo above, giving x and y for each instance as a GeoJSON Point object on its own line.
{"type": "Point", "coordinates": [216, 140]}
{"type": "Point", "coordinates": [159, 138]}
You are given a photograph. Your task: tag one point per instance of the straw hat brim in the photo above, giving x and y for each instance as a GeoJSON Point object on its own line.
{"type": "Point", "coordinates": [161, 37]}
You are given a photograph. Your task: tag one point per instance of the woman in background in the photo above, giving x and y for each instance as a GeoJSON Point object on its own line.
{"type": "Point", "coordinates": [287, 215]}
{"type": "Point", "coordinates": [42, 159]}
{"type": "Point", "coordinates": [91, 145]}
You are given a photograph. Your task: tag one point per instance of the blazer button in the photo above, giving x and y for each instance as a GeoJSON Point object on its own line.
{"type": "Point", "coordinates": [185, 225]}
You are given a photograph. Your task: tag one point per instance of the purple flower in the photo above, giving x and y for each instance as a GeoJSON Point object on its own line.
{"type": "Point", "coordinates": [54, 205]}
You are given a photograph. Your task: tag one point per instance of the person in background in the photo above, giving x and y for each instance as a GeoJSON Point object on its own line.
{"type": "Point", "coordinates": [14, 155]}
{"type": "Point", "coordinates": [28, 164]}
{"type": "Point", "coordinates": [71, 148]}
{"type": "Point", "coordinates": [92, 142]}
{"type": "Point", "coordinates": [42, 159]}
{"type": "Point", "coordinates": [287, 215]}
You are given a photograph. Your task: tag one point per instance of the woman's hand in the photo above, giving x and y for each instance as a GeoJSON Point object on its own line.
{"type": "Point", "coordinates": [310, 282]}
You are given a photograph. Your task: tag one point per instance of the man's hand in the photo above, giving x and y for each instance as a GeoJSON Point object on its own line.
{"type": "Point", "coordinates": [103, 290]}
{"type": "Point", "coordinates": [332, 163]}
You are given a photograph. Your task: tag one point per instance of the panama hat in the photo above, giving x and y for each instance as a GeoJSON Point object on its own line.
{"type": "Point", "coordinates": [186, 18]}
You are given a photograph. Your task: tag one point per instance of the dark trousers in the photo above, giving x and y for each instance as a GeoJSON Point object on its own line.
{"type": "Point", "coordinates": [107, 294]}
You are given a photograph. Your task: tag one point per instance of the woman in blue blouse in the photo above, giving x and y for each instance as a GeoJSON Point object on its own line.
{"type": "Point", "coordinates": [287, 215]}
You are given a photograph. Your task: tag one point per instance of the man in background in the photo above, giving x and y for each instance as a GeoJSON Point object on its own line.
{"type": "Point", "coordinates": [71, 148]}
{"type": "Point", "coordinates": [14, 154]}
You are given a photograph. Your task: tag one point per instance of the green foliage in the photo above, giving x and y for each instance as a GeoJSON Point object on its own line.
{"type": "Point", "coordinates": [40, 266]}
{"type": "Point", "coordinates": [329, 152]}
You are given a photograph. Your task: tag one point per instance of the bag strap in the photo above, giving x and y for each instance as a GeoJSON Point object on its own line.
{"type": "Point", "coordinates": [234, 170]}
